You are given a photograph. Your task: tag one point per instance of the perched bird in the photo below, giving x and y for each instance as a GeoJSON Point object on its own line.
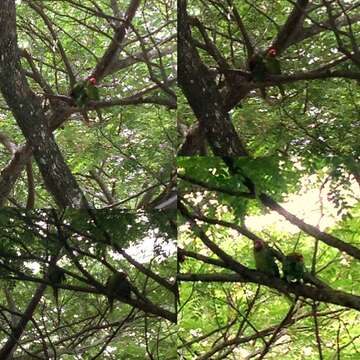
{"type": "Point", "coordinates": [273, 66]}
{"type": "Point", "coordinates": [293, 267]}
{"type": "Point", "coordinates": [56, 277]}
{"type": "Point", "coordinates": [264, 259]}
{"type": "Point", "coordinates": [257, 67]}
{"type": "Point", "coordinates": [84, 91]}
{"type": "Point", "coordinates": [118, 287]}
{"type": "Point", "coordinates": [258, 70]}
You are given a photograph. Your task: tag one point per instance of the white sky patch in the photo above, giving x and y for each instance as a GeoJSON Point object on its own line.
{"type": "Point", "coordinates": [33, 266]}
{"type": "Point", "coordinates": [308, 205]}
{"type": "Point", "coordinates": [144, 251]}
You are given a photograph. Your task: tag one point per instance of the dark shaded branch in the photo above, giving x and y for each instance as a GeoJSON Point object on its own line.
{"type": "Point", "coordinates": [10, 174]}
{"type": "Point", "coordinates": [201, 91]}
{"type": "Point", "coordinates": [30, 202]}
{"type": "Point", "coordinates": [248, 41]}
{"type": "Point", "coordinates": [310, 229]}
{"type": "Point", "coordinates": [113, 49]}
{"type": "Point", "coordinates": [272, 204]}
{"type": "Point", "coordinates": [28, 112]}
{"type": "Point", "coordinates": [257, 277]}
{"type": "Point", "coordinates": [292, 26]}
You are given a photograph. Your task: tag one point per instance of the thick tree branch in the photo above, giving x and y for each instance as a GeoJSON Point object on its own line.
{"type": "Point", "coordinates": [310, 229]}
{"type": "Point", "coordinates": [113, 49]}
{"type": "Point", "coordinates": [257, 277]}
{"type": "Point", "coordinates": [10, 174]}
{"type": "Point", "coordinates": [29, 115]}
{"type": "Point", "coordinates": [269, 202]}
{"type": "Point", "coordinates": [201, 91]}
{"type": "Point", "coordinates": [292, 26]}
{"type": "Point", "coordinates": [248, 41]}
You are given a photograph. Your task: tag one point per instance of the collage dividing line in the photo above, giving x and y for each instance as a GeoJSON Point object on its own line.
{"type": "Point", "coordinates": [179, 179]}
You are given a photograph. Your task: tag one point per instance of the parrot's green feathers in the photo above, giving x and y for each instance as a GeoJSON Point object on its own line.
{"type": "Point", "coordinates": [56, 276]}
{"type": "Point", "coordinates": [273, 65]}
{"type": "Point", "coordinates": [83, 92]}
{"type": "Point", "coordinates": [293, 267]}
{"type": "Point", "coordinates": [117, 286]}
{"type": "Point", "coordinates": [264, 259]}
{"type": "Point", "coordinates": [92, 92]}
{"type": "Point", "coordinates": [257, 67]}
{"type": "Point", "coordinates": [78, 88]}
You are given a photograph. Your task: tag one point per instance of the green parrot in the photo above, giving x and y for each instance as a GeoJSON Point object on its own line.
{"type": "Point", "coordinates": [258, 70]}
{"type": "Point", "coordinates": [117, 286]}
{"type": "Point", "coordinates": [91, 90]}
{"type": "Point", "coordinates": [84, 91]}
{"type": "Point", "coordinates": [264, 259]}
{"type": "Point", "coordinates": [56, 276]}
{"type": "Point", "coordinates": [293, 267]}
{"type": "Point", "coordinates": [273, 65]}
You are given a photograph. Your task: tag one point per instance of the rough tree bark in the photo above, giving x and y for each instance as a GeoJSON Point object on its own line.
{"type": "Point", "coordinates": [201, 91]}
{"type": "Point", "coordinates": [27, 110]}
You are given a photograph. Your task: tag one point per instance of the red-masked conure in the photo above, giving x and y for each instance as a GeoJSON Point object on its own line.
{"type": "Point", "coordinates": [258, 70]}
{"type": "Point", "coordinates": [118, 286]}
{"type": "Point", "coordinates": [293, 267]}
{"type": "Point", "coordinates": [84, 91]}
{"type": "Point", "coordinates": [264, 259]}
{"type": "Point", "coordinates": [273, 65]}
{"type": "Point", "coordinates": [56, 277]}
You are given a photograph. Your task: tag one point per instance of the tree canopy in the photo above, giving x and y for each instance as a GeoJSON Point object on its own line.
{"type": "Point", "coordinates": [87, 247]}
{"type": "Point", "coordinates": [111, 150]}
{"type": "Point", "coordinates": [271, 103]}
{"type": "Point", "coordinates": [263, 200]}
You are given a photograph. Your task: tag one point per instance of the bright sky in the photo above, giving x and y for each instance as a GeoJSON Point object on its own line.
{"type": "Point", "coordinates": [143, 252]}
{"type": "Point", "coordinates": [309, 205]}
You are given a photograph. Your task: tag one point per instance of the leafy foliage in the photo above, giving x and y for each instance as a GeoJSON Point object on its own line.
{"type": "Point", "coordinates": [298, 160]}
{"type": "Point", "coordinates": [89, 248]}
{"type": "Point", "coordinates": [127, 141]}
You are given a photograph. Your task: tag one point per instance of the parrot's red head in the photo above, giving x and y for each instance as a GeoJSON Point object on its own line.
{"type": "Point", "coordinates": [123, 275]}
{"type": "Point", "coordinates": [181, 258]}
{"type": "Point", "coordinates": [258, 245]}
{"type": "Point", "coordinates": [272, 52]}
{"type": "Point", "coordinates": [92, 81]}
{"type": "Point", "coordinates": [297, 257]}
